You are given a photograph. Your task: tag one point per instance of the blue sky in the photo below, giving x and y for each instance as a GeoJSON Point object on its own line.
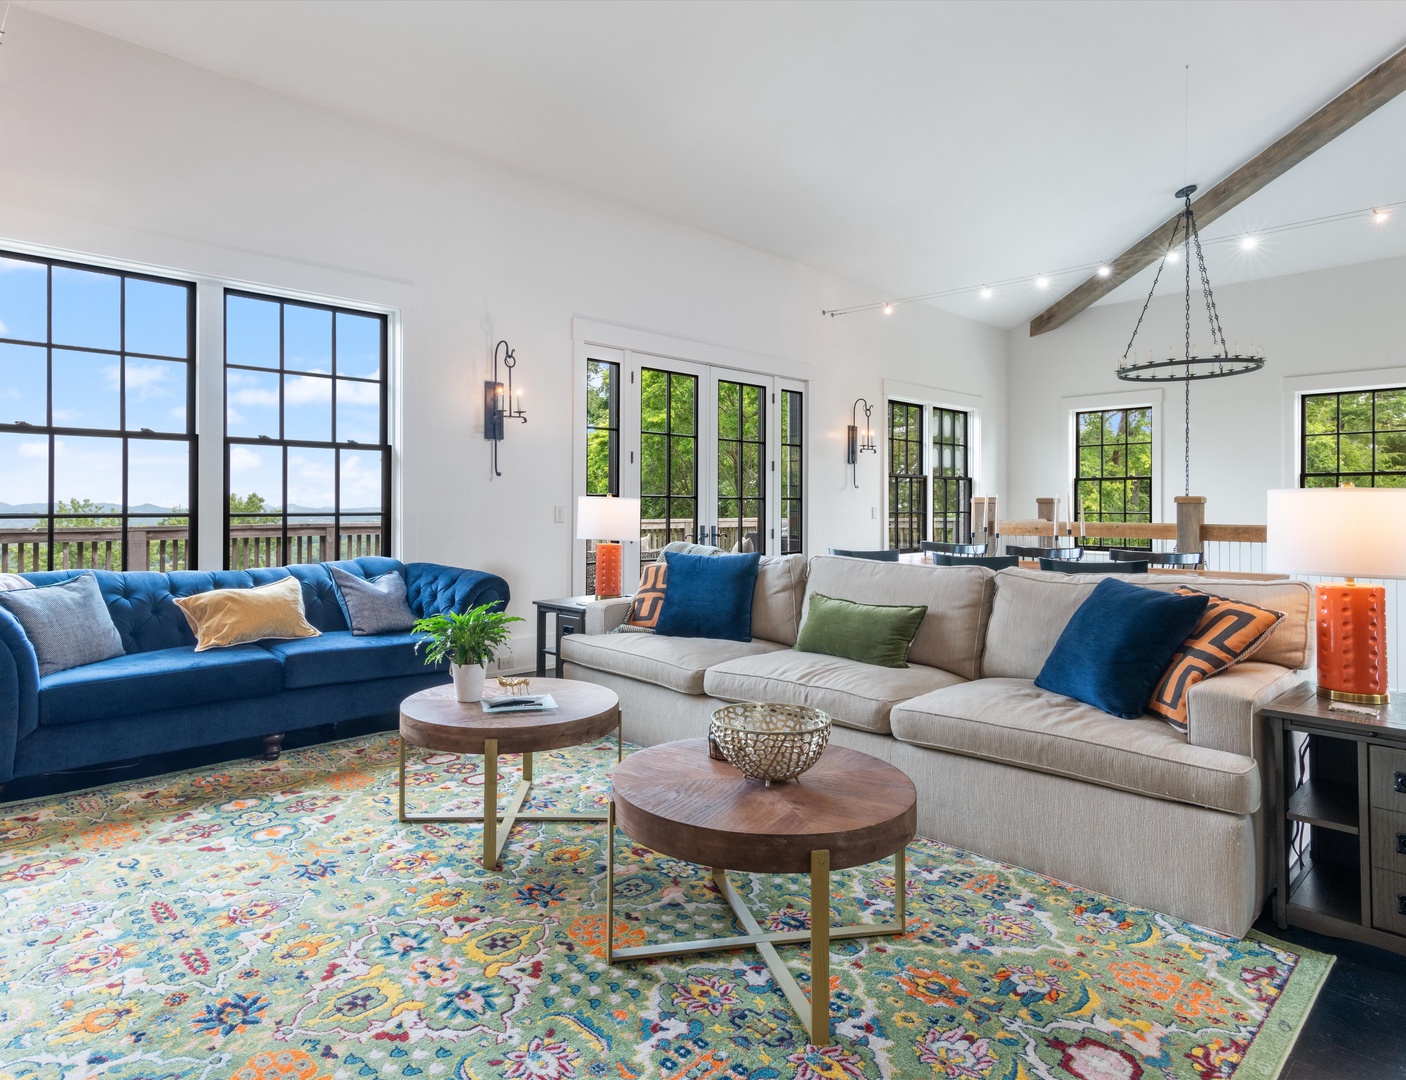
{"type": "Point", "coordinates": [87, 312]}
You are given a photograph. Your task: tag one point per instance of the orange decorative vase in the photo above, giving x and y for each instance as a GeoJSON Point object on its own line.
{"type": "Point", "coordinates": [608, 559]}
{"type": "Point", "coordinates": [1352, 642]}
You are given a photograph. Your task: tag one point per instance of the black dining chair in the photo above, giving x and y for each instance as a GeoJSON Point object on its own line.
{"type": "Point", "coordinates": [1068, 554]}
{"type": "Point", "coordinates": [884, 555]}
{"type": "Point", "coordinates": [1190, 560]}
{"type": "Point", "coordinates": [992, 562]}
{"type": "Point", "coordinates": [954, 549]}
{"type": "Point", "coordinates": [1069, 566]}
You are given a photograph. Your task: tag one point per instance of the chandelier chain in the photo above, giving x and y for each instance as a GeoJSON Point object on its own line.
{"type": "Point", "coordinates": [1171, 243]}
{"type": "Point", "coordinates": [1212, 313]}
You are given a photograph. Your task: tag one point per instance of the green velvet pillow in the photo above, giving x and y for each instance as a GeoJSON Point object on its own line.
{"type": "Point", "coordinates": [869, 633]}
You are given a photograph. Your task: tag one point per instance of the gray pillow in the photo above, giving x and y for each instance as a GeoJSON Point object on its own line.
{"type": "Point", "coordinates": [377, 606]}
{"type": "Point", "coordinates": [68, 624]}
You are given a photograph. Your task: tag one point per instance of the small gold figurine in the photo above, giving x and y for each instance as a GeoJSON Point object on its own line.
{"type": "Point", "coordinates": [513, 684]}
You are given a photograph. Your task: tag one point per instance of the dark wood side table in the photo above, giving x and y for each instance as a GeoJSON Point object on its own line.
{"type": "Point", "coordinates": [1338, 820]}
{"type": "Point", "coordinates": [570, 615]}
{"type": "Point", "coordinates": [434, 719]}
{"type": "Point", "coordinates": [850, 809]}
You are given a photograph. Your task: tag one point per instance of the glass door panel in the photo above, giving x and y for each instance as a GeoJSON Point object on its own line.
{"type": "Point", "coordinates": [668, 465]}
{"type": "Point", "coordinates": [742, 523]}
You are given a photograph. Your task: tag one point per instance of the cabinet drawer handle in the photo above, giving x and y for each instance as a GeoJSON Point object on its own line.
{"type": "Point", "coordinates": [1401, 903]}
{"type": "Point", "coordinates": [1401, 843]}
{"type": "Point", "coordinates": [1400, 784]}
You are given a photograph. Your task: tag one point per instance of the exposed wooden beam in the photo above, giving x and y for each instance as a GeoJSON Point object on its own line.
{"type": "Point", "coordinates": [1354, 104]}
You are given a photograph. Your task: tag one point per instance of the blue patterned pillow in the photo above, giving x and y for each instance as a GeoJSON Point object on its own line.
{"type": "Point", "coordinates": [378, 606]}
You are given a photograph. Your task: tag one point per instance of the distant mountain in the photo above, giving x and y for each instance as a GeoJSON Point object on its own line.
{"type": "Point", "coordinates": [102, 509]}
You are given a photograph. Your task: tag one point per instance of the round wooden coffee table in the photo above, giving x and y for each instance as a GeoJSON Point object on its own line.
{"type": "Point", "coordinates": [848, 810]}
{"type": "Point", "coordinates": [434, 720]}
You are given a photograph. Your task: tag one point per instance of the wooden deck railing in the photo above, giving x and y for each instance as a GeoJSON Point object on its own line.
{"type": "Point", "coordinates": [166, 547]}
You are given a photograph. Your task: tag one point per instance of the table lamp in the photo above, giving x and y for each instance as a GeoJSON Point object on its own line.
{"type": "Point", "coordinates": [1352, 532]}
{"type": "Point", "coordinates": [607, 520]}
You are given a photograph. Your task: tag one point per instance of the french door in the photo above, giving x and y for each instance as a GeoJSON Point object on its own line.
{"type": "Point", "coordinates": [713, 453]}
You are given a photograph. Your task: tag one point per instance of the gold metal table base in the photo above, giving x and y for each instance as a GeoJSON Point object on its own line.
{"type": "Point", "coordinates": [814, 1011]}
{"type": "Point", "coordinates": [495, 829]}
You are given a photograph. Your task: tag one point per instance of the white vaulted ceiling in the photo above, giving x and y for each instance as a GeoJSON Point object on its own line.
{"type": "Point", "coordinates": [911, 146]}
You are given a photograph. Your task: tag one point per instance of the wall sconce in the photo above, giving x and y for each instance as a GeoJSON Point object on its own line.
{"type": "Point", "coordinates": [853, 446]}
{"type": "Point", "coordinates": [498, 403]}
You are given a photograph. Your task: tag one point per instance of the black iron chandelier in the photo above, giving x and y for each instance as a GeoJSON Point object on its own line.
{"type": "Point", "coordinates": [1190, 367]}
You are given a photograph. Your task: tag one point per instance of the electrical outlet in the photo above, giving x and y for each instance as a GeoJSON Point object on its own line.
{"type": "Point", "coordinates": [874, 513]}
{"type": "Point", "coordinates": [505, 659]}
{"type": "Point", "coordinates": [559, 515]}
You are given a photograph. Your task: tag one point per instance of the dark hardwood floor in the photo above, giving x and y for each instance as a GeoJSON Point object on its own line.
{"type": "Point", "coordinates": [1357, 1030]}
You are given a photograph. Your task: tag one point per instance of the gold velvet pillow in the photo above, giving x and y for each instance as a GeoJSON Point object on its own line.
{"type": "Point", "coordinates": [223, 617]}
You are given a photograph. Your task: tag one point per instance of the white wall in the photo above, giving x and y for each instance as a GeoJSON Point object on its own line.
{"type": "Point", "coordinates": [1336, 328]}
{"type": "Point", "coordinates": [122, 153]}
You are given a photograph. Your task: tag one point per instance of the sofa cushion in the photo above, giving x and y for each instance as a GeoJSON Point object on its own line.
{"type": "Point", "coordinates": [1031, 608]}
{"type": "Point", "coordinates": [708, 596]}
{"type": "Point", "coordinates": [67, 623]}
{"type": "Point", "coordinates": [673, 663]}
{"type": "Point", "coordinates": [147, 682]}
{"type": "Point", "coordinates": [1116, 646]}
{"type": "Point", "coordinates": [777, 598]}
{"type": "Point", "coordinates": [855, 695]}
{"type": "Point", "coordinates": [340, 656]}
{"type": "Point", "coordinates": [958, 599]}
{"type": "Point", "coordinates": [1011, 721]}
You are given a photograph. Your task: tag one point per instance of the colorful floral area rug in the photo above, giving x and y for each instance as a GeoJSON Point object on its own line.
{"type": "Point", "coordinates": [277, 922]}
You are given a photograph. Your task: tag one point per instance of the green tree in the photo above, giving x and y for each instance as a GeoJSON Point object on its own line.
{"type": "Point", "coordinates": [250, 508]}
{"type": "Point", "coordinates": [90, 515]}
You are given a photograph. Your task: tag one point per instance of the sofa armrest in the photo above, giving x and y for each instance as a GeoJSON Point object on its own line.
{"type": "Point", "coordinates": [434, 590]}
{"type": "Point", "coordinates": [19, 691]}
{"type": "Point", "coordinates": [603, 616]}
{"type": "Point", "coordinates": [1222, 711]}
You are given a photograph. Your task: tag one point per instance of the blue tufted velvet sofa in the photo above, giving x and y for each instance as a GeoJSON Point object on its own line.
{"type": "Point", "coordinates": [162, 695]}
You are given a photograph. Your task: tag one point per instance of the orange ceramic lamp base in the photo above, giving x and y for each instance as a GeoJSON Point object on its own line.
{"type": "Point", "coordinates": [608, 555]}
{"type": "Point", "coordinates": [1352, 643]}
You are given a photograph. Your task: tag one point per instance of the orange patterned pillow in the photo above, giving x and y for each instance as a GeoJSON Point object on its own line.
{"type": "Point", "coordinates": [1230, 631]}
{"type": "Point", "coordinates": [649, 600]}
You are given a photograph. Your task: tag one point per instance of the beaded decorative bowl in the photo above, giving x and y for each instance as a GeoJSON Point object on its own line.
{"type": "Point", "coordinates": [768, 741]}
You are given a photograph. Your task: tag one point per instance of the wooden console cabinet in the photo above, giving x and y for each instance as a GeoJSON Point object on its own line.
{"type": "Point", "coordinates": [1338, 819]}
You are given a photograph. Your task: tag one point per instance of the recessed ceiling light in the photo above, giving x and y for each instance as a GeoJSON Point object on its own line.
{"type": "Point", "coordinates": [888, 309]}
{"type": "Point", "coordinates": [986, 292]}
{"type": "Point", "coordinates": [1104, 271]}
{"type": "Point", "coordinates": [1249, 242]}
{"type": "Point", "coordinates": [1380, 215]}
{"type": "Point", "coordinates": [1042, 283]}
{"type": "Point", "coordinates": [1173, 255]}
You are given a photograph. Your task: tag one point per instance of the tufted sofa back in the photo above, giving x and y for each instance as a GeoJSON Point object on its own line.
{"type": "Point", "coordinates": [143, 606]}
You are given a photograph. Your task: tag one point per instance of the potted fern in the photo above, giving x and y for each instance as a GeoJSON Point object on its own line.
{"type": "Point", "coordinates": [468, 642]}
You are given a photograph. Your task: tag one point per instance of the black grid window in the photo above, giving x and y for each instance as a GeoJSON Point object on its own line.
{"type": "Point", "coordinates": [741, 467]}
{"type": "Point", "coordinates": [1356, 437]}
{"type": "Point", "coordinates": [792, 505]}
{"type": "Point", "coordinates": [908, 488]}
{"type": "Point", "coordinates": [307, 456]}
{"type": "Point", "coordinates": [1113, 471]}
{"type": "Point", "coordinates": [951, 477]}
{"type": "Point", "coordinates": [602, 427]}
{"type": "Point", "coordinates": [668, 459]}
{"type": "Point", "coordinates": [97, 418]}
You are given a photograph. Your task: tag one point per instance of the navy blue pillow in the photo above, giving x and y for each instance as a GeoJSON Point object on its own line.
{"type": "Point", "coordinates": [1118, 644]}
{"type": "Point", "coordinates": [709, 596]}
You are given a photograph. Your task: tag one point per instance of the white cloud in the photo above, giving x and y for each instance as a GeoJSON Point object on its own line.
{"type": "Point", "coordinates": [242, 457]}
{"type": "Point", "coordinates": [233, 415]}
{"type": "Point", "coordinates": [354, 393]}
{"type": "Point", "coordinates": [261, 398]}
{"type": "Point", "coordinates": [4, 330]}
{"type": "Point", "coordinates": [35, 448]}
{"type": "Point", "coordinates": [148, 380]}
{"type": "Point", "coordinates": [304, 391]}
{"type": "Point", "coordinates": [20, 266]}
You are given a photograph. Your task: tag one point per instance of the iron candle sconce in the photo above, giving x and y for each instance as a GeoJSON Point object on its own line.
{"type": "Point", "coordinates": [853, 445]}
{"type": "Point", "coordinates": [498, 402]}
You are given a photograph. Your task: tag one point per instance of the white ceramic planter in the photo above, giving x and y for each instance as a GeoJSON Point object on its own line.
{"type": "Point", "coordinates": [468, 681]}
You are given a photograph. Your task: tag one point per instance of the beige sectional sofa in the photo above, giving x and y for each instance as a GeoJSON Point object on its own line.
{"type": "Point", "coordinates": [1131, 808]}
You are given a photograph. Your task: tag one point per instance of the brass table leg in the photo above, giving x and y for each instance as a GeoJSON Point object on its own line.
{"type": "Point", "coordinates": [497, 825]}
{"type": "Point", "coordinates": [820, 948]}
{"type": "Point", "coordinates": [814, 1012]}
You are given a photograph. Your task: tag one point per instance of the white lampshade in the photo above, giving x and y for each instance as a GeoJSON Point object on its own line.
{"type": "Point", "coordinates": [607, 518]}
{"type": "Point", "coordinates": [1342, 532]}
